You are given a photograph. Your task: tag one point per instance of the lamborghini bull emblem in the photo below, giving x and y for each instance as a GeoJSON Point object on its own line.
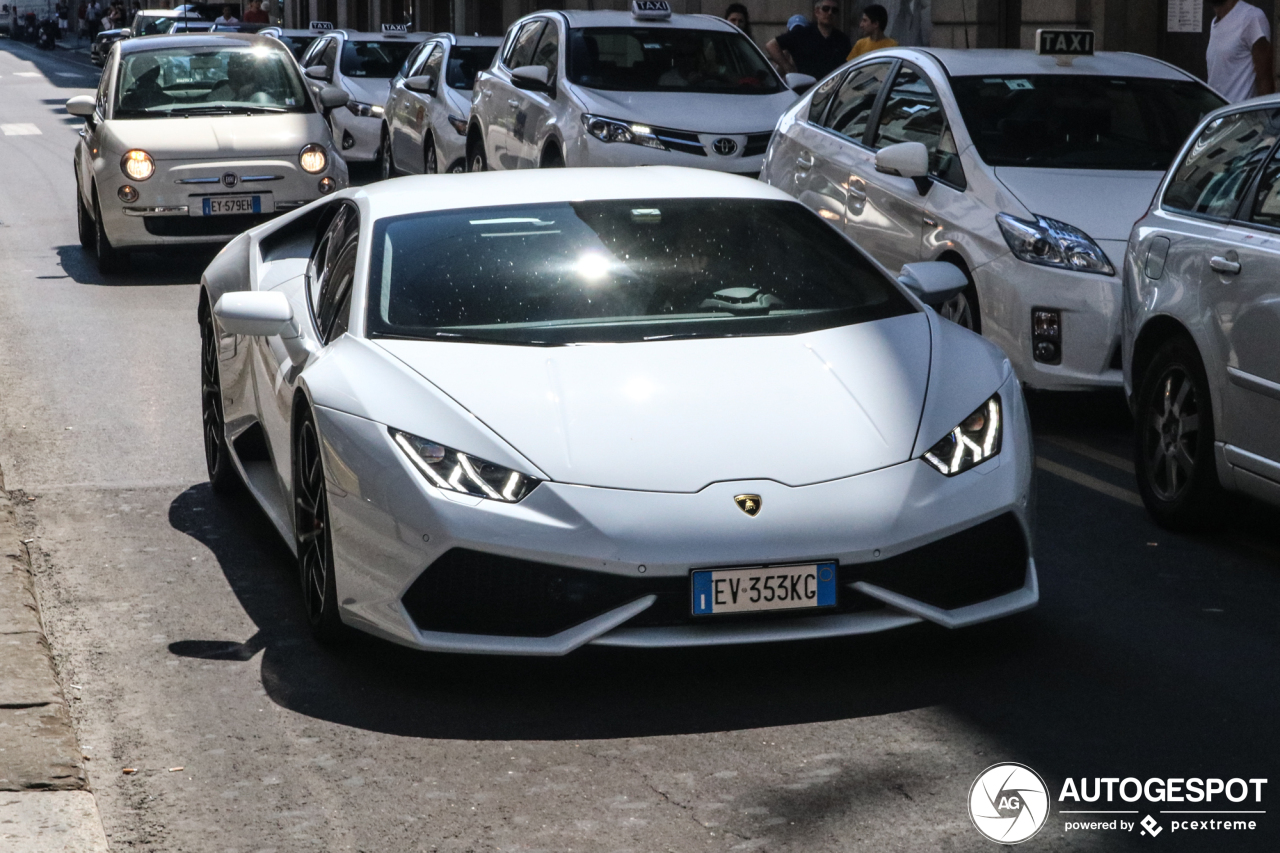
{"type": "Point", "coordinates": [750, 504]}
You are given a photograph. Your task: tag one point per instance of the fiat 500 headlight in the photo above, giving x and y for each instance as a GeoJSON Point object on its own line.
{"type": "Point", "coordinates": [312, 158]}
{"type": "Point", "coordinates": [455, 471]}
{"type": "Point", "coordinates": [137, 164]}
{"type": "Point", "coordinates": [1050, 243]}
{"type": "Point", "coordinates": [976, 439]}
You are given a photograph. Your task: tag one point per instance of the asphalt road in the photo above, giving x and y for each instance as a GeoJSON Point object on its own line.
{"type": "Point", "coordinates": [180, 640]}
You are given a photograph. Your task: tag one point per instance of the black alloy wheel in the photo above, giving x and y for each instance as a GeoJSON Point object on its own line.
{"type": "Point", "coordinates": [84, 223]}
{"type": "Point", "coordinates": [312, 535]}
{"type": "Point", "coordinates": [1174, 455]}
{"type": "Point", "coordinates": [223, 478]}
{"type": "Point", "coordinates": [386, 161]}
{"type": "Point", "coordinates": [430, 166]}
{"type": "Point", "coordinates": [110, 259]}
{"type": "Point", "coordinates": [962, 309]}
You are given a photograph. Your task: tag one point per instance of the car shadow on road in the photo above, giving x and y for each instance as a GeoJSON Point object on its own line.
{"type": "Point", "coordinates": [146, 269]}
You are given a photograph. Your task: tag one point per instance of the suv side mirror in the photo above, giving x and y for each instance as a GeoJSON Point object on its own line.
{"type": "Point", "coordinates": [424, 83]}
{"type": "Point", "coordinates": [318, 72]}
{"type": "Point", "coordinates": [534, 78]}
{"type": "Point", "coordinates": [933, 282]}
{"type": "Point", "coordinates": [800, 83]}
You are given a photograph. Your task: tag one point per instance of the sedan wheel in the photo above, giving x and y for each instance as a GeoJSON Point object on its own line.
{"type": "Point", "coordinates": [475, 159]}
{"type": "Point", "coordinates": [84, 222]}
{"type": "Point", "coordinates": [962, 309]}
{"type": "Point", "coordinates": [222, 474]}
{"type": "Point", "coordinates": [312, 535]}
{"type": "Point", "coordinates": [385, 158]}
{"type": "Point", "coordinates": [1175, 467]}
{"type": "Point", "coordinates": [429, 164]}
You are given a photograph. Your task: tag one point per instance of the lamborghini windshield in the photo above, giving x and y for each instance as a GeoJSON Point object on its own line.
{"type": "Point", "coordinates": [209, 81]}
{"type": "Point", "coordinates": [615, 271]}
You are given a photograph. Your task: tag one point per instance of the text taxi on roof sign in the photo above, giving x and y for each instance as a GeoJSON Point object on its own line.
{"type": "Point", "coordinates": [1025, 170]}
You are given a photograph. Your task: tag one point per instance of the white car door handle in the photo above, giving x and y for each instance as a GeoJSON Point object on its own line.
{"type": "Point", "coordinates": [805, 160]}
{"type": "Point", "coordinates": [856, 195]}
{"type": "Point", "coordinates": [1220, 264]}
{"type": "Point", "coordinates": [513, 104]}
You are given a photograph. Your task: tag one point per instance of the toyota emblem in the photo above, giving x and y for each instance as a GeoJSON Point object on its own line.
{"type": "Point", "coordinates": [724, 146]}
{"type": "Point", "coordinates": [230, 179]}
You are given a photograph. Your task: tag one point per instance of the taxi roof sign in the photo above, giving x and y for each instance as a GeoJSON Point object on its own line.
{"type": "Point", "coordinates": [1064, 42]}
{"type": "Point", "coordinates": [320, 25]}
{"type": "Point", "coordinates": [395, 29]}
{"type": "Point", "coordinates": [651, 10]}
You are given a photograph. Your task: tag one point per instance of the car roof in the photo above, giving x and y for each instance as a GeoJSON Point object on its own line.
{"type": "Point", "coordinates": [471, 41]}
{"type": "Point", "coordinates": [424, 193]}
{"type": "Point", "coordinates": [576, 18]}
{"type": "Point", "coordinates": [356, 35]}
{"type": "Point", "coordinates": [169, 13]}
{"type": "Point", "coordinates": [200, 40]}
{"type": "Point", "coordinates": [969, 63]}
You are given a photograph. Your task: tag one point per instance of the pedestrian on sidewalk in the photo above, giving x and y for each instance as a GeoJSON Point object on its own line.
{"type": "Point", "coordinates": [815, 49]}
{"type": "Point", "coordinates": [228, 17]}
{"type": "Point", "coordinates": [254, 14]}
{"type": "Point", "coordinates": [1239, 54]}
{"type": "Point", "coordinates": [874, 19]}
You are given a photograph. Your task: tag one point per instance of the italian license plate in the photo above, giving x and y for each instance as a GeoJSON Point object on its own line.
{"type": "Point", "coordinates": [766, 588]}
{"type": "Point", "coordinates": [230, 204]}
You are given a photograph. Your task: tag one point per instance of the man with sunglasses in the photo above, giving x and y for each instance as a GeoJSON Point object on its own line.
{"type": "Point", "coordinates": [816, 49]}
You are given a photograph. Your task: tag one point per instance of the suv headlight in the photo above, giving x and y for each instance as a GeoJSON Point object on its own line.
{"type": "Point", "coordinates": [455, 471]}
{"type": "Point", "coordinates": [612, 130]}
{"type": "Point", "coordinates": [137, 164]}
{"type": "Point", "coordinates": [976, 439]}
{"type": "Point", "coordinates": [312, 158]}
{"type": "Point", "coordinates": [1051, 243]}
{"type": "Point", "coordinates": [365, 110]}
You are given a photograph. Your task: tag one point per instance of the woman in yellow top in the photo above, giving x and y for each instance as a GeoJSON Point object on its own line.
{"type": "Point", "coordinates": [874, 20]}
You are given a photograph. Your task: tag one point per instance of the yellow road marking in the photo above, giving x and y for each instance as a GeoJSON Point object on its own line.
{"type": "Point", "coordinates": [1088, 482]}
{"type": "Point", "coordinates": [1090, 452]}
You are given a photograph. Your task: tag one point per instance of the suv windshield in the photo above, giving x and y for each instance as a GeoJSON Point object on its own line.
{"type": "Point", "coordinates": [374, 58]}
{"type": "Point", "coordinates": [1062, 121]}
{"type": "Point", "coordinates": [631, 59]}
{"type": "Point", "coordinates": [617, 271]}
{"type": "Point", "coordinates": [465, 61]}
{"type": "Point", "coordinates": [209, 81]}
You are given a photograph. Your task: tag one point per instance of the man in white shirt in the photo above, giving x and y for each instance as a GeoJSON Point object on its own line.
{"type": "Point", "coordinates": [228, 16]}
{"type": "Point", "coordinates": [1239, 55]}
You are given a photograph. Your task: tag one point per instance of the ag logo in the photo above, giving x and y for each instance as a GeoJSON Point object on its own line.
{"type": "Point", "coordinates": [1008, 803]}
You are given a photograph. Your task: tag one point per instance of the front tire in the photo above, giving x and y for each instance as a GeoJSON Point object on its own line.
{"type": "Point", "coordinates": [962, 309]}
{"type": "Point", "coordinates": [430, 163]}
{"type": "Point", "coordinates": [386, 161]}
{"type": "Point", "coordinates": [84, 223]}
{"type": "Point", "coordinates": [223, 478]}
{"type": "Point", "coordinates": [476, 161]}
{"type": "Point", "coordinates": [1174, 453]}
{"type": "Point", "coordinates": [312, 535]}
{"type": "Point", "coordinates": [110, 259]}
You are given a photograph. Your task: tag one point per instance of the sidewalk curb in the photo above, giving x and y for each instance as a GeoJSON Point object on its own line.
{"type": "Point", "coordinates": [45, 804]}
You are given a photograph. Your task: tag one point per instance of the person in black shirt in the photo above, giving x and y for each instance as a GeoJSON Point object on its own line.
{"type": "Point", "coordinates": [816, 49]}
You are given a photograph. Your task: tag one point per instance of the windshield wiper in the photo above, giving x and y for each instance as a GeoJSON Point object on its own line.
{"type": "Point", "coordinates": [202, 110]}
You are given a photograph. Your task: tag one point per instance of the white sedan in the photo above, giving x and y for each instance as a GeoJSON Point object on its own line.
{"type": "Point", "coordinates": [1025, 171]}
{"type": "Point", "coordinates": [518, 414]}
{"type": "Point", "coordinates": [574, 88]}
{"type": "Point", "coordinates": [193, 139]}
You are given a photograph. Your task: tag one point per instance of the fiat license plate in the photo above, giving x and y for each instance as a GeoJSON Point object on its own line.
{"type": "Point", "coordinates": [228, 204]}
{"type": "Point", "coordinates": [766, 588]}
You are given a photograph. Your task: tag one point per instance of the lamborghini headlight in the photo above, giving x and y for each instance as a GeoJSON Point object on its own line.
{"type": "Point", "coordinates": [975, 440]}
{"type": "Point", "coordinates": [455, 471]}
{"type": "Point", "coordinates": [1050, 243]}
{"type": "Point", "coordinates": [137, 164]}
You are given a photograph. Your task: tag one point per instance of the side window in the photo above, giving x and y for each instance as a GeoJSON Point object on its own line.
{"type": "Point", "coordinates": [822, 97]}
{"type": "Point", "coordinates": [911, 113]}
{"type": "Point", "coordinates": [548, 53]}
{"type": "Point", "coordinates": [1218, 168]}
{"type": "Point", "coordinates": [435, 66]}
{"type": "Point", "coordinates": [521, 52]}
{"type": "Point", "coordinates": [852, 105]}
{"type": "Point", "coordinates": [329, 58]}
{"type": "Point", "coordinates": [334, 312]}
{"type": "Point", "coordinates": [411, 60]}
{"type": "Point", "coordinates": [341, 224]}
{"type": "Point", "coordinates": [313, 53]}
{"type": "Point", "coordinates": [1266, 201]}
{"type": "Point", "coordinates": [104, 88]}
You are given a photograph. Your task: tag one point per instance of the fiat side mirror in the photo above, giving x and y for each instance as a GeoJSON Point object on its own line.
{"type": "Point", "coordinates": [81, 105]}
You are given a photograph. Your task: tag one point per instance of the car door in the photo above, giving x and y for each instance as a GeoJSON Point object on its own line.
{"type": "Point", "coordinates": [1242, 291]}
{"type": "Point", "coordinates": [89, 134]}
{"type": "Point", "coordinates": [892, 222]}
{"type": "Point", "coordinates": [410, 113]}
{"type": "Point", "coordinates": [537, 109]}
{"type": "Point", "coordinates": [435, 109]}
{"type": "Point", "coordinates": [506, 122]}
{"type": "Point", "coordinates": [830, 147]}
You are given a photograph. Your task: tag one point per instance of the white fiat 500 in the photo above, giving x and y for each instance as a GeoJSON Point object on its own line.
{"type": "Point", "coordinates": [429, 106]}
{"type": "Point", "coordinates": [520, 413]}
{"type": "Point", "coordinates": [193, 139]}
{"type": "Point", "coordinates": [362, 65]}
{"type": "Point", "coordinates": [1024, 171]}
{"type": "Point", "coordinates": [616, 89]}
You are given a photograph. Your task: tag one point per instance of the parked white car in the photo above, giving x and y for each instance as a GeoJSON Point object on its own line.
{"type": "Point", "coordinates": [1024, 171]}
{"type": "Point", "coordinates": [193, 139]}
{"type": "Point", "coordinates": [644, 88]}
{"type": "Point", "coordinates": [521, 413]}
{"type": "Point", "coordinates": [429, 106]}
{"type": "Point", "coordinates": [362, 64]}
{"type": "Point", "coordinates": [1202, 322]}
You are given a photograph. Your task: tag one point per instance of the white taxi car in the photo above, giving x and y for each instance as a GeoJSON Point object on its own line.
{"type": "Point", "coordinates": [427, 111]}
{"type": "Point", "coordinates": [1024, 170]}
{"type": "Point", "coordinates": [574, 88]}
{"type": "Point", "coordinates": [193, 139]}
{"type": "Point", "coordinates": [362, 64]}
